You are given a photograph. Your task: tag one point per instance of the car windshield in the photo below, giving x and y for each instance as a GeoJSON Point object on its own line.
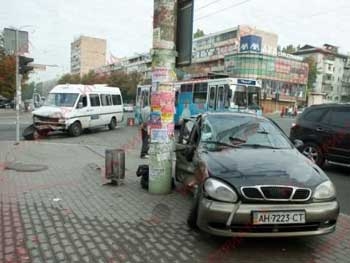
{"type": "Point", "coordinates": [241, 131]}
{"type": "Point", "coordinates": [61, 99]}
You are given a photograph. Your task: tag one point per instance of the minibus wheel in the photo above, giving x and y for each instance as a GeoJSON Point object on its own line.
{"type": "Point", "coordinates": [75, 129]}
{"type": "Point", "coordinates": [112, 124]}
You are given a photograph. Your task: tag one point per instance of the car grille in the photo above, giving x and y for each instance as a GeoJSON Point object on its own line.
{"type": "Point", "coordinates": [46, 119]}
{"type": "Point", "coordinates": [276, 193]}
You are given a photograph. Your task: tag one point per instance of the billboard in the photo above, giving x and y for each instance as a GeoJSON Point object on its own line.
{"type": "Point", "coordinates": [10, 41]}
{"type": "Point", "coordinates": [250, 43]}
{"type": "Point", "coordinates": [184, 32]}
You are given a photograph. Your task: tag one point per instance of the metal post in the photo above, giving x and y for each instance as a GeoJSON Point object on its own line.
{"type": "Point", "coordinates": [163, 76]}
{"type": "Point", "coordinates": [18, 96]}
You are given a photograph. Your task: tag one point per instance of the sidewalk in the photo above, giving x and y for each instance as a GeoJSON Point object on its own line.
{"type": "Point", "coordinates": [66, 214]}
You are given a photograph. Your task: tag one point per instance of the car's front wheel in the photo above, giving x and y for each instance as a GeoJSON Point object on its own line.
{"type": "Point", "coordinates": [314, 153]}
{"type": "Point", "coordinates": [75, 129]}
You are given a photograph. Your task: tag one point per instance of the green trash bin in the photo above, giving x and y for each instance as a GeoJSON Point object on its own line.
{"type": "Point", "coordinates": [160, 168]}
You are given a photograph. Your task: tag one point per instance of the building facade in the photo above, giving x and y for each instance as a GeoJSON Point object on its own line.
{"type": "Point", "coordinates": [332, 81]}
{"type": "Point", "coordinates": [141, 63]}
{"type": "Point", "coordinates": [283, 77]}
{"type": "Point", "coordinates": [208, 52]}
{"type": "Point", "coordinates": [87, 53]}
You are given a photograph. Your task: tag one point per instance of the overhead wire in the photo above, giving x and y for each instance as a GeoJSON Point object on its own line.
{"type": "Point", "coordinates": [223, 9]}
{"type": "Point", "coordinates": [209, 4]}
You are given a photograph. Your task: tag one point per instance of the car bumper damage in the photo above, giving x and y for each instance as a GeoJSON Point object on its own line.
{"type": "Point", "coordinates": [227, 219]}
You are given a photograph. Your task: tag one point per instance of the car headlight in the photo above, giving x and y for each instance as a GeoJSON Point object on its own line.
{"type": "Point", "coordinates": [35, 119]}
{"type": "Point", "coordinates": [220, 191]}
{"type": "Point", "coordinates": [324, 191]}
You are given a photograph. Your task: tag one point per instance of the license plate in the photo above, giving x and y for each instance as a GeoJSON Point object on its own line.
{"type": "Point", "coordinates": [278, 217]}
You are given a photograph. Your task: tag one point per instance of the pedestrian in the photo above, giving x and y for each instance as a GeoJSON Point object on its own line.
{"type": "Point", "coordinates": [145, 118]}
{"type": "Point", "coordinates": [282, 112]}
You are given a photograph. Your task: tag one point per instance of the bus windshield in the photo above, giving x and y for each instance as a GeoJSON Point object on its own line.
{"type": "Point", "coordinates": [246, 98]}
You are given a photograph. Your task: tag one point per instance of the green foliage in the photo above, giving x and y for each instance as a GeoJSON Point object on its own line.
{"type": "Point", "coordinates": [312, 72]}
{"type": "Point", "coordinates": [127, 82]}
{"type": "Point", "coordinates": [199, 33]}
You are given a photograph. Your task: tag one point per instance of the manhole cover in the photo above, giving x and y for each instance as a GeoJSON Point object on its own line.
{"type": "Point", "coordinates": [22, 167]}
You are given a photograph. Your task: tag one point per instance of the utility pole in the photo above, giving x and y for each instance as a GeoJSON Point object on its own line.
{"type": "Point", "coordinates": [163, 95]}
{"type": "Point", "coordinates": [18, 91]}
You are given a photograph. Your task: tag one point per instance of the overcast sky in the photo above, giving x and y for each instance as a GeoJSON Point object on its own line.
{"type": "Point", "coordinates": [127, 25]}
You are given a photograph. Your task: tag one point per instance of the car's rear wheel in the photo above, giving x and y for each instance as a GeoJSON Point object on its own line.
{"type": "Point", "coordinates": [314, 153]}
{"type": "Point", "coordinates": [75, 129]}
{"type": "Point", "coordinates": [112, 124]}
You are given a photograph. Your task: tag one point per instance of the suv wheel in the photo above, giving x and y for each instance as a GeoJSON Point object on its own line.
{"type": "Point", "coordinates": [314, 153]}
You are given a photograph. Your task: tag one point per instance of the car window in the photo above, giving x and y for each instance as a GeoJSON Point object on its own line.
{"type": "Point", "coordinates": [83, 99]}
{"type": "Point", "coordinates": [340, 118]}
{"type": "Point", "coordinates": [315, 115]}
{"type": "Point", "coordinates": [94, 100]}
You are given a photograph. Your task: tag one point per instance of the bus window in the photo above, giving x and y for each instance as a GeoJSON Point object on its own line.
{"type": "Point", "coordinates": [212, 97]}
{"type": "Point", "coordinates": [145, 98]}
{"type": "Point", "coordinates": [186, 87]}
{"type": "Point", "coordinates": [220, 99]}
{"type": "Point", "coordinates": [200, 93]}
{"type": "Point", "coordinates": [176, 98]}
{"type": "Point", "coordinates": [227, 96]}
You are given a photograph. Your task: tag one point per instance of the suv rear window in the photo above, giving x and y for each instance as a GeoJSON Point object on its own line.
{"type": "Point", "coordinates": [314, 115]}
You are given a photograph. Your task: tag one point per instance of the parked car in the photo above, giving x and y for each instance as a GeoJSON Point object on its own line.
{"type": "Point", "coordinates": [7, 104]}
{"type": "Point", "coordinates": [128, 107]}
{"type": "Point", "coordinates": [325, 131]}
{"type": "Point", "coordinates": [251, 180]}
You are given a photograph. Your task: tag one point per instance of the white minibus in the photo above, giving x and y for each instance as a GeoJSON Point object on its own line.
{"type": "Point", "coordinates": [74, 108]}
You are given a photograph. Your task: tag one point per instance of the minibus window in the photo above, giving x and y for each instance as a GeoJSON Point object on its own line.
{"type": "Point", "coordinates": [94, 100]}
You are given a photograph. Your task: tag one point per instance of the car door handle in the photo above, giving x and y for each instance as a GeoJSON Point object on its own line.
{"type": "Point", "coordinates": [319, 129]}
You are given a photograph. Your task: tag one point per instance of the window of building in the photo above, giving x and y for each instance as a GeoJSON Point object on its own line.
{"type": "Point", "coordinates": [116, 100]}
{"type": "Point", "coordinates": [94, 100]}
{"type": "Point", "coordinates": [200, 93]}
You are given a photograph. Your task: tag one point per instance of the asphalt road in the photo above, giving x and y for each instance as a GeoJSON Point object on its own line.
{"type": "Point", "coordinates": [339, 175]}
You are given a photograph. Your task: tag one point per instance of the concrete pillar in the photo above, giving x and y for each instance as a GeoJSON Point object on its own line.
{"type": "Point", "coordinates": [162, 96]}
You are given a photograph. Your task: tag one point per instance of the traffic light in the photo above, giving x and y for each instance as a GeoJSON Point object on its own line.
{"type": "Point", "coordinates": [23, 65]}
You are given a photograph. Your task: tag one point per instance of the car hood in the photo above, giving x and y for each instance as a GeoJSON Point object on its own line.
{"type": "Point", "coordinates": [53, 112]}
{"type": "Point", "coordinates": [247, 167]}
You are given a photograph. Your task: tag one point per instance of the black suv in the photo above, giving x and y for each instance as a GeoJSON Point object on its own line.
{"type": "Point", "coordinates": [325, 131]}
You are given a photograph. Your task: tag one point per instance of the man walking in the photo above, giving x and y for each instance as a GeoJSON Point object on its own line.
{"type": "Point", "coordinates": [145, 117]}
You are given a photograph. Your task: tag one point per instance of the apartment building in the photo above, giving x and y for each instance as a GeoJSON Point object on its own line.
{"type": "Point", "coordinates": [332, 82]}
{"type": "Point", "coordinates": [87, 53]}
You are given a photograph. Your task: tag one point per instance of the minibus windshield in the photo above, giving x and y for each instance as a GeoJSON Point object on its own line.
{"type": "Point", "coordinates": [61, 99]}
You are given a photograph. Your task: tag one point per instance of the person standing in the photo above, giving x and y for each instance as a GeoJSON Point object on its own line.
{"type": "Point", "coordinates": [145, 118]}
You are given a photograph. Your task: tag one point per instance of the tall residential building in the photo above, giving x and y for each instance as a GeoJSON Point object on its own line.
{"type": "Point", "coordinates": [332, 84]}
{"type": "Point", "coordinates": [87, 53]}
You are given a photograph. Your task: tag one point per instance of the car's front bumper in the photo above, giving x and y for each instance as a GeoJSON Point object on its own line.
{"type": "Point", "coordinates": [225, 219]}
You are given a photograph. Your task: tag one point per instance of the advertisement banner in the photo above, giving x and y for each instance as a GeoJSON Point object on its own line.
{"type": "Point", "coordinates": [250, 43]}
{"type": "Point", "coordinates": [159, 136]}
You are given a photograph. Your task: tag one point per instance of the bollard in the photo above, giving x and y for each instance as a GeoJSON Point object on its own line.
{"type": "Point", "coordinates": [131, 121]}
{"type": "Point", "coordinates": [115, 166]}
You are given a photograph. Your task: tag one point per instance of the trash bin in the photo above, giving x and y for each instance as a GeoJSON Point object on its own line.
{"type": "Point", "coordinates": [115, 165]}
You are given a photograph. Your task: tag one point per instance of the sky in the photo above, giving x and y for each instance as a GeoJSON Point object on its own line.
{"type": "Point", "coordinates": [127, 25]}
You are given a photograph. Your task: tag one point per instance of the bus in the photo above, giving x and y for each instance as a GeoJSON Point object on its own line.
{"type": "Point", "coordinates": [227, 94]}
{"type": "Point", "coordinates": [143, 99]}
{"type": "Point", "coordinates": [193, 97]}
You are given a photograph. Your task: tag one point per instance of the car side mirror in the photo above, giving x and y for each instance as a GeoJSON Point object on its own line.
{"type": "Point", "coordinates": [299, 144]}
{"type": "Point", "coordinates": [80, 105]}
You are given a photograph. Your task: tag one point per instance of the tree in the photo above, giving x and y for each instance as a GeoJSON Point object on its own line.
{"type": "Point", "coordinates": [289, 49]}
{"type": "Point", "coordinates": [199, 33]}
{"type": "Point", "coordinates": [310, 60]}
{"type": "Point", "coordinates": [70, 79]}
